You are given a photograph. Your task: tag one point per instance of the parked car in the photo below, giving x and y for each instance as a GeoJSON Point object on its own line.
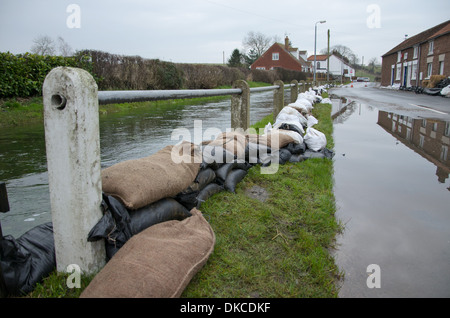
{"type": "Point", "coordinates": [363, 79]}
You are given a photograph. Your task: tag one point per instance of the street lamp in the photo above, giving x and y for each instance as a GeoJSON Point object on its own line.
{"type": "Point", "coordinates": [315, 41]}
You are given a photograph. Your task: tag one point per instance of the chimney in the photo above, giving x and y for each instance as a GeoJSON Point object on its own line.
{"type": "Point", "coordinates": [286, 43]}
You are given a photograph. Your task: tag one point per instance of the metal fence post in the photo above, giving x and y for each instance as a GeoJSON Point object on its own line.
{"type": "Point", "coordinates": [240, 106]}
{"type": "Point", "coordinates": [278, 98]}
{"type": "Point", "coordinates": [294, 91]}
{"type": "Point", "coordinates": [72, 141]}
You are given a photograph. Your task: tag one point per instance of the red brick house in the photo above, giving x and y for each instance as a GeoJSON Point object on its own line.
{"type": "Point", "coordinates": [418, 57]}
{"type": "Point", "coordinates": [283, 56]}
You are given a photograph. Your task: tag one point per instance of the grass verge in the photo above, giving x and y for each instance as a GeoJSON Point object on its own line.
{"type": "Point", "coordinates": [278, 248]}
{"type": "Point", "coordinates": [274, 248]}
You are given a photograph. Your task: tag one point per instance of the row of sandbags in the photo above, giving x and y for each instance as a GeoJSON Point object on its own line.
{"type": "Point", "coordinates": [142, 192]}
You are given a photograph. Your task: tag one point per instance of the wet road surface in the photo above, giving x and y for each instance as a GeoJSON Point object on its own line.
{"type": "Point", "coordinates": [392, 191]}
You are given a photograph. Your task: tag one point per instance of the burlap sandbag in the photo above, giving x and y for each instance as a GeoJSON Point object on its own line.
{"type": "Point", "coordinates": [233, 142]}
{"type": "Point", "coordinates": [276, 139]}
{"type": "Point", "coordinates": [140, 182]}
{"type": "Point", "coordinates": [158, 262]}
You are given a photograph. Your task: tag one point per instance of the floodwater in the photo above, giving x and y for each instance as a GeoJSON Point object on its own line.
{"type": "Point", "coordinates": [123, 136]}
{"type": "Point", "coordinates": [392, 190]}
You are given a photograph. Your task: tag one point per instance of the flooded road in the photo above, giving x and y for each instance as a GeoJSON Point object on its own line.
{"type": "Point", "coordinates": [127, 135]}
{"type": "Point", "coordinates": [392, 190]}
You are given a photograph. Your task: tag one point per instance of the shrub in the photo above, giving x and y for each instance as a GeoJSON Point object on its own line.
{"type": "Point", "coordinates": [22, 75]}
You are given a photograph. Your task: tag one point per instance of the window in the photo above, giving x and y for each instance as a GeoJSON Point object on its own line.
{"type": "Point", "coordinates": [444, 153]}
{"type": "Point", "coordinates": [429, 69]}
{"type": "Point", "coordinates": [318, 64]}
{"type": "Point", "coordinates": [399, 70]}
{"type": "Point", "coordinates": [447, 128]}
{"type": "Point", "coordinates": [405, 56]}
{"type": "Point", "coordinates": [416, 51]}
{"type": "Point", "coordinates": [275, 56]}
{"type": "Point", "coordinates": [430, 47]}
{"type": "Point", "coordinates": [434, 127]}
{"type": "Point", "coordinates": [399, 56]}
{"type": "Point", "coordinates": [414, 70]}
{"type": "Point", "coordinates": [421, 141]}
{"type": "Point", "coordinates": [441, 68]}
{"type": "Point", "coordinates": [260, 68]}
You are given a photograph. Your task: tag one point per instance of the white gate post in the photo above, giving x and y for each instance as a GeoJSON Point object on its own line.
{"type": "Point", "coordinates": [72, 142]}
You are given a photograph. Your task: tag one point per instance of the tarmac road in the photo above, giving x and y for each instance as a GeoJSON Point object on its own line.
{"type": "Point", "coordinates": [402, 102]}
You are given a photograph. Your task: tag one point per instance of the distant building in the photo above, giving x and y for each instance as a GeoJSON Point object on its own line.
{"type": "Point", "coordinates": [338, 67]}
{"type": "Point", "coordinates": [283, 56]}
{"type": "Point", "coordinates": [418, 57]}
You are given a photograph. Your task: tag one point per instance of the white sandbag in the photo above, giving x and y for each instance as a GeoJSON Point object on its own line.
{"type": "Point", "coordinates": [312, 120]}
{"type": "Point", "coordinates": [314, 139]}
{"type": "Point", "coordinates": [446, 91]}
{"type": "Point", "coordinates": [298, 139]}
{"type": "Point", "coordinates": [267, 128]}
{"type": "Point", "coordinates": [326, 101]}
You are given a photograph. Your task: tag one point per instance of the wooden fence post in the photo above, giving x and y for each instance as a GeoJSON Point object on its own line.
{"type": "Point", "coordinates": [240, 106]}
{"type": "Point", "coordinates": [294, 91]}
{"type": "Point", "coordinates": [72, 141]}
{"type": "Point", "coordinates": [278, 98]}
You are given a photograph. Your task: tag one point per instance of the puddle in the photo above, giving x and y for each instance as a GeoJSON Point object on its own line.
{"type": "Point", "coordinates": [392, 190]}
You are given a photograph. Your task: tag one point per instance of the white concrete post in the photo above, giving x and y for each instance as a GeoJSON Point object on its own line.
{"type": "Point", "coordinates": [72, 141]}
{"type": "Point", "coordinates": [278, 98]}
{"type": "Point", "coordinates": [240, 106]}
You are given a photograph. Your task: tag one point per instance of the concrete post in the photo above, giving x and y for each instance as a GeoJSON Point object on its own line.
{"type": "Point", "coordinates": [72, 141]}
{"type": "Point", "coordinates": [294, 91]}
{"type": "Point", "coordinates": [302, 86]}
{"type": "Point", "coordinates": [278, 98]}
{"type": "Point", "coordinates": [240, 106]}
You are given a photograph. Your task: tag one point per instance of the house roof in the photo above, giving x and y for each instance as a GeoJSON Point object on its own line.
{"type": "Point", "coordinates": [424, 36]}
{"type": "Point", "coordinates": [322, 57]}
{"type": "Point", "coordinates": [299, 60]}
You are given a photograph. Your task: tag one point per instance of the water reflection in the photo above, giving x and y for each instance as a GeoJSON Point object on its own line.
{"type": "Point", "coordinates": [394, 208]}
{"type": "Point", "coordinates": [428, 137]}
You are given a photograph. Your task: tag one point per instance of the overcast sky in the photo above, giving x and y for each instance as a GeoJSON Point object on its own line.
{"type": "Point", "coordinates": [202, 31]}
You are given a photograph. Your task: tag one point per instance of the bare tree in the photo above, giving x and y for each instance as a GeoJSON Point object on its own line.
{"type": "Point", "coordinates": [43, 45]}
{"type": "Point", "coordinates": [257, 42]}
{"type": "Point", "coordinates": [63, 47]}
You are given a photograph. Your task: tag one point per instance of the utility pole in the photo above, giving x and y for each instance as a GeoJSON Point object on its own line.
{"type": "Point", "coordinates": [328, 58]}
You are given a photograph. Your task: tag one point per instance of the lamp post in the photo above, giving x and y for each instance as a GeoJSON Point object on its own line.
{"type": "Point", "coordinates": [315, 42]}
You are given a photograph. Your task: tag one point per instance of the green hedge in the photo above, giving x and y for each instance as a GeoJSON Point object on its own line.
{"type": "Point", "coordinates": [22, 75]}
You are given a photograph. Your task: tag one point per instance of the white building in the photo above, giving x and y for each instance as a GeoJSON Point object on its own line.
{"type": "Point", "coordinates": [338, 67]}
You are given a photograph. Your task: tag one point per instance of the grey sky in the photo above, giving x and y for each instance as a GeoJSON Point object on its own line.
{"type": "Point", "coordinates": [199, 31]}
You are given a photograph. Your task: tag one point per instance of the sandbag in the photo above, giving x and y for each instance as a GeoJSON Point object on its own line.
{"type": "Point", "coordinates": [314, 139]}
{"type": "Point", "coordinates": [234, 177]}
{"type": "Point", "coordinates": [159, 262]}
{"type": "Point", "coordinates": [160, 211]}
{"type": "Point", "coordinates": [207, 192]}
{"type": "Point", "coordinates": [215, 156]}
{"type": "Point", "coordinates": [325, 153]}
{"type": "Point", "coordinates": [257, 153]}
{"type": "Point", "coordinates": [204, 177]}
{"type": "Point", "coordinates": [27, 260]}
{"type": "Point", "coordinates": [140, 182]}
{"type": "Point", "coordinates": [297, 158]}
{"type": "Point", "coordinates": [223, 171]}
{"type": "Point", "coordinates": [234, 142]}
{"type": "Point", "coordinates": [296, 149]}
{"type": "Point", "coordinates": [114, 226]}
